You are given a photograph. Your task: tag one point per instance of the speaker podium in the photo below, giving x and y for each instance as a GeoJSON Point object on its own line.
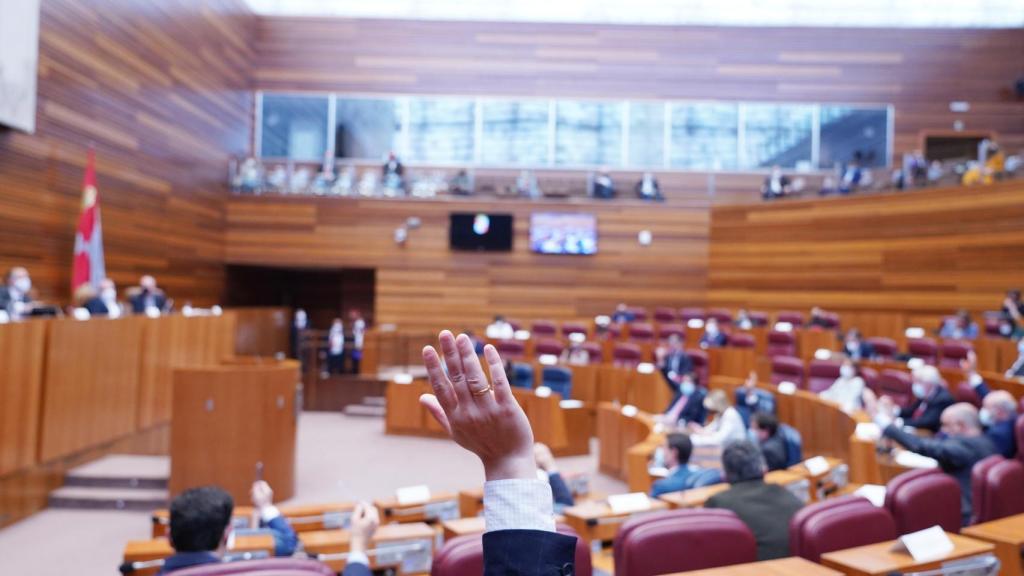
{"type": "Point", "coordinates": [229, 421]}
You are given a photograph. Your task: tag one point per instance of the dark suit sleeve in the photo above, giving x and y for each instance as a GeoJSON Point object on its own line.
{"type": "Point", "coordinates": [285, 539]}
{"type": "Point", "coordinates": [949, 453]}
{"type": "Point", "coordinates": [528, 553]}
{"type": "Point", "coordinates": [931, 419]}
{"type": "Point", "coordinates": [982, 390]}
{"type": "Point", "coordinates": [560, 490]}
{"type": "Point", "coordinates": [357, 570]}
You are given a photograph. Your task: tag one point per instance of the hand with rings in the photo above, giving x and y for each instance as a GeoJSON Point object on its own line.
{"type": "Point", "coordinates": [482, 418]}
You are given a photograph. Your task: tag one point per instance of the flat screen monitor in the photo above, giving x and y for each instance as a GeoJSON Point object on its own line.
{"type": "Point", "coordinates": [561, 233]}
{"type": "Point", "coordinates": [480, 232]}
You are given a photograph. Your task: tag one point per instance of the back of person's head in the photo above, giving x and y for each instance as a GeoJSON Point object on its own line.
{"type": "Point", "coordinates": [199, 517]}
{"type": "Point", "coordinates": [767, 422]}
{"type": "Point", "coordinates": [1000, 405]}
{"type": "Point", "coordinates": [680, 443]}
{"type": "Point", "coordinates": [716, 401]}
{"type": "Point", "coordinates": [742, 461]}
{"type": "Point", "coordinates": [961, 419]}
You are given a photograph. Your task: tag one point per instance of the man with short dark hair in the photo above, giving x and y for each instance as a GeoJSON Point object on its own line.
{"type": "Point", "coordinates": [773, 445]}
{"type": "Point", "coordinates": [681, 475]}
{"type": "Point", "coordinates": [765, 508]}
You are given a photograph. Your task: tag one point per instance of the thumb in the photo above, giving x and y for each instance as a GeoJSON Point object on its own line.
{"type": "Point", "coordinates": [429, 401]}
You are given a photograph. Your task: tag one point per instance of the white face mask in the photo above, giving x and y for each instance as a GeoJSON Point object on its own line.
{"type": "Point", "coordinates": [108, 294]}
{"type": "Point", "coordinates": [985, 417]}
{"type": "Point", "coordinates": [687, 388]}
{"type": "Point", "coordinates": [712, 329]}
{"type": "Point", "coordinates": [918, 390]}
{"type": "Point", "coordinates": [23, 284]}
{"type": "Point", "coordinates": [847, 371]}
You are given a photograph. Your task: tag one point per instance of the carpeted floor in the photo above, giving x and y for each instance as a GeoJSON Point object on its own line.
{"type": "Point", "coordinates": [340, 459]}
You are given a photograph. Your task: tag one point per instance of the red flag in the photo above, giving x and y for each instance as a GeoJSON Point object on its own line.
{"type": "Point", "coordinates": [89, 266]}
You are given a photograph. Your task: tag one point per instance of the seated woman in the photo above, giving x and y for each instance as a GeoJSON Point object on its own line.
{"type": "Point", "coordinates": [848, 389]}
{"type": "Point", "coordinates": [727, 425]}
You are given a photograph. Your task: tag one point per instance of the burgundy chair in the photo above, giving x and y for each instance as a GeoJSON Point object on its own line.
{"type": "Point", "coordinates": [1004, 491]}
{"type": "Point", "coordinates": [979, 488]}
{"type": "Point", "coordinates": [924, 348]}
{"type": "Point", "coordinates": [639, 314]}
{"type": "Point", "coordinates": [681, 541]}
{"type": "Point", "coordinates": [626, 355]}
{"type": "Point", "coordinates": [614, 331]}
{"type": "Point", "coordinates": [741, 340]}
{"type": "Point", "coordinates": [885, 348]}
{"type": "Point", "coordinates": [665, 315]}
{"type": "Point", "coordinates": [687, 314]}
{"type": "Point", "coordinates": [898, 385]}
{"type": "Point", "coordinates": [666, 330]}
{"type": "Point", "coordinates": [954, 352]}
{"type": "Point", "coordinates": [870, 376]}
{"type": "Point", "coordinates": [992, 323]}
{"type": "Point", "coordinates": [924, 498]}
{"type": "Point", "coordinates": [794, 318]}
{"type": "Point", "coordinates": [758, 318]}
{"type": "Point", "coordinates": [545, 346]}
{"type": "Point", "coordinates": [966, 393]}
{"type": "Point", "coordinates": [1018, 430]}
{"type": "Point", "coordinates": [838, 524]}
{"type": "Point", "coordinates": [701, 365]}
{"type": "Point", "coordinates": [829, 320]}
{"type": "Point", "coordinates": [781, 344]}
{"type": "Point", "coordinates": [268, 566]}
{"type": "Point", "coordinates": [788, 369]}
{"type": "Point", "coordinates": [722, 315]}
{"type": "Point", "coordinates": [464, 556]}
{"type": "Point", "coordinates": [641, 332]}
{"type": "Point", "coordinates": [595, 351]}
{"type": "Point", "coordinates": [515, 324]}
{"type": "Point", "coordinates": [510, 349]}
{"type": "Point", "coordinates": [821, 374]}
{"type": "Point", "coordinates": [570, 328]}
{"type": "Point", "coordinates": [544, 328]}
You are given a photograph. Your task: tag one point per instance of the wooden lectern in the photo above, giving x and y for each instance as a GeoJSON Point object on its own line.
{"type": "Point", "coordinates": [232, 419]}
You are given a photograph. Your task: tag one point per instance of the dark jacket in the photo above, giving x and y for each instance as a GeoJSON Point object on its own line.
{"type": "Point", "coordinates": [678, 362]}
{"type": "Point", "coordinates": [7, 300]}
{"type": "Point", "coordinates": [693, 410]}
{"type": "Point", "coordinates": [775, 452]}
{"type": "Point", "coordinates": [956, 456]}
{"type": "Point", "coordinates": [1003, 437]}
{"type": "Point", "coordinates": [560, 490]}
{"type": "Point", "coordinates": [138, 301]}
{"type": "Point", "coordinates": [931, 415]}
{"type": "Point", "coordinates": [528, 553]}
{"type": "Point", "coordinates": [860, 351]}
{"type": "Point", "coordinates": [97, 307]}
{"type": "Point", "coordinates": [766, 509]}
{"type": "Point", "coordinates": [716, 341]}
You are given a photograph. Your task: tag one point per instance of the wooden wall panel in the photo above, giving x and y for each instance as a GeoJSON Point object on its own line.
{"type": "Point", "coordinates": [91, 384]}
{"type": "Point", "coordinates": [262, 331]}
{"type": "Point", "coordinates": [162, 90]}
{"type": "Point", "coordinates": [425, 285]}
{"type": "Point", "coordinates": [21, 383]}
{"type": "Point", "coordinates": [926, 252]}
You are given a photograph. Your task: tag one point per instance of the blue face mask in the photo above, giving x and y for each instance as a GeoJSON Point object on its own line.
{"type": "Point", "coordinates": [687, 388]}
{"type": "Point", "coordinates": [918, 390]}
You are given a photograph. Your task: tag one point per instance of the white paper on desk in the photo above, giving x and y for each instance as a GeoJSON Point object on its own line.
{"type": "Point", "coordinates": [570, 404]}
{"type": "Point", "coordinates": [925, 545]}
{"type": "Point", "coordinates": [787, 388]}
{"type": "Point", "coordinates": [542, 391]}
{"type": "Point", "coordinates": [868, 431]}
{"type": "Point", "coordinates": [413, 495]}
{"type": "Point", "coordinates": [629, 503]}
{"type": "Point", "coordinates": [645, 368]}
{"type": "Point", "coordinates": [873, 492]}
{"type": "Point", "coordinates": [817, 465]}
{"type": "Point", "coordinates": [630, 411]}
{"type": "Point", "coordinates": [909, 459]}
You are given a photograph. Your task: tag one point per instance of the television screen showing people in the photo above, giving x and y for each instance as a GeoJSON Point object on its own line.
{"type": "Point", "coordinates": [558, 233]}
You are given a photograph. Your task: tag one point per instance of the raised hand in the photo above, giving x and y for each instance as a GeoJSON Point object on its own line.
{"type": "Point", "coordinates": [364, 523]}
{"type": "Point", "coordinates": [482, 418]}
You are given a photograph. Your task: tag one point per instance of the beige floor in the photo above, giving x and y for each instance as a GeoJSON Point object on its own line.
{"type": "Point", "coordinates": [339, 459]}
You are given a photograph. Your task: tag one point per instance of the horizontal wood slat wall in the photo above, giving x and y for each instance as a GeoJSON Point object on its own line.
{"type": "Point", "coordinates": [162, 89]}
{"type": "Point", "coordinates": [426, 285]}
{"type": "Point", "coordinates": [924, 253]}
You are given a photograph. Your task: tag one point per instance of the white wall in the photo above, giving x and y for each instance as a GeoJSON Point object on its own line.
{"type": "Point", "coordinates": [19, 60]}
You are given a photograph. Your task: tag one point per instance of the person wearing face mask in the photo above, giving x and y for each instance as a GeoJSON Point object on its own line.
{"type": "Point", "coordinates": [727, 425]}
{"type": "Point", "coordinates": [713, 336]}
{"type": "Point", "coordinates": [105, 303]}
{"type": "Point", "coordinates": [15, 296]}
{"type": "Point", "coordinates": [855, 348]}
{"type": "Point", "coordinates": [687, 405]}
{"type": "Point", "coordinates": [998, 415]}
{"type": "Point", "coordinates": [336, 348]}
{"type": "Point", "coordinates": [847, 390]}
{"type": "Point", "coordinates": [960, 447]}
{"type": "Point", "coordinates": [776, 185]}
{"type": "Point", "coordinates": [682, 475]}
{"type": "Point", "coordinates": [931, 399]}
{"type": "Point", "coordinates": [147, 296]}
{"type": "Point", "coordinates": [647, 188]}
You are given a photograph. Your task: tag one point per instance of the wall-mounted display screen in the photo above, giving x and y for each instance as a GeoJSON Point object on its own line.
{"type": "Point", "coordinates": [561, 233]}
{"type": "Point", "coordinates": [480, 232]}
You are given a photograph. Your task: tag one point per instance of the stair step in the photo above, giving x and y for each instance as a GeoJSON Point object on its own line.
{"type": "Point", "coordinates": [122, 471]}
{"type": "Point", "coordinates": [375, 401]}
{"type": "Point", "coordinates": [89, 498]}
{"type": "Point", "coordinates": [364, 410]}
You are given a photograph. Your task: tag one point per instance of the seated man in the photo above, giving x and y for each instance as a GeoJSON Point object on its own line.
{"type": "Point", "coordinates": [687, 405]}
{"type": "Point", "coordinates": [262, 497]}
{"type": "Point", "coordinates": [773, 444]}
{"type": "Point", "coordinates": [931, 398]}
{"type": "Point", "coordinates": [622, 314]}
{"type": "Point", "coordinates": [560, 491]}
{"type": "Point", "coordinates": [765, 508]}
{"type": "Point", "coordinates": [500, 329]}
{"type": "Point", "coordinates": [147, 296]}
{"type": "Point", "coordinates": [713, 336]}
{"type": "Point", "coordinates": [201, 527]}
{"type": "Point", "coordinates": [964, 445]}
{"type": "Point", "coordinates": [105, 303]}
{"type": "Point", "coordinates": [998, 415]}
{"type": "Point", "coordinates": [681, 474]}
{"type": "Point", "coordinates": [15, 294]}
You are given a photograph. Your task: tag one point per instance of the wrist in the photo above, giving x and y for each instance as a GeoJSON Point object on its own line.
{"type": "Point", "coordinates": [511, 467]}
{"type": "Point", "coordinates": [357, 544]}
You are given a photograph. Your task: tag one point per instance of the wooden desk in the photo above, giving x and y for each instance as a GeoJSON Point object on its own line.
{"type": "Point", "coordinates": [306, 518]}
{"type": "Point", "coordinates": [160, 548]}
{"type": "Point", "coordinates": [809, 340]}
{"type": "Point", "coordinates": [463, 526]}
{"type": "Point", "coordinates": [440, 506]}
{"type": "Point", "coordinates": [795, 480]}
{"type": "Point", "coordinates": [877, 560]}
{"type": "Point", "coordinates": [595, 520]}
{"type": "Point", "coordinates": [414, 557]}
{"type": "Point", "coordinates": [828, 482]}
{"type": "Point", "coordinates": [1007, 534]}
{"type": "Point", "coordinates": [782, 567]}
{"type": "Point", "coordinates": [734, 362]}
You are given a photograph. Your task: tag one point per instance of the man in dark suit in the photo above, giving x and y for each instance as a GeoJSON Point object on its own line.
{"type": "Point", "coordinates": [105, 302]}
{"type": "Point", "coordinates": [855, 348]}
{"type": "Point", "coordinates": [681, 474]}
{"type": "Point", "coordinates": [962, 447]}
{"type": "Point", "coordinates": [931, 398]}
{"type": "Point", "coordinates": [713, 336]}
{"type": "Point", "coordinates": [15, 293]}
{"type": "Point", "coordinates": [773, 445]}
{"type": "Point", "coordinates": [765, 508]}
{"type": "Point", "coordinates": [998, 416]}
{"type": "Point", "coordinates": [675, 363]}
{"type": "Point", "coordinates": [147, 296]}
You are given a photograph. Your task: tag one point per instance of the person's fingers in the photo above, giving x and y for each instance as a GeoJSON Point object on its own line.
{"type": "Point", "coordinates": [453, 361]}
{"type": "Point", "coordinates": [475, 379]}
{"type": "Point", "coordinates": [429, 401]}
{"type": "Point", "coordinates": [502, 389]}
{"type": "Point", "coordinates": [438, 381]}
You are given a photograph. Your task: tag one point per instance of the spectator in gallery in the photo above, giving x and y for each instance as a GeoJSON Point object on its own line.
{"type": "Point", "coordinates": [713, 336]}
{"type": "Point", "coordinates": [393, 173]}
{"type": "Point", "coordinates": [16, 294]}
{"type": "Point", "coordinates": [355, 318]}
{"type": "Point", "coordinates": [105, 303]}
{"type": "Point", "coordinates": [959, 327]}
{"type": "Point", "coordinates": [935, 171]}
{"type": "Point", "coordinates": [461, 184]}
{"type": "Point", "coordinates": [500, 329]}
{"type": "Point", "coordinates": [604, 187]}
{"type": "Point", "coordinates": [345, 181]}
{"type": "Point", "coordinates": [648, 189]}
{"type": "Point", "coordinates": [776, 184]}
{"type": "Point", "coordinates": [335, 348]}
{"type": "Point", "coordinates": [147, 297]}
{"type": "Point", "coordinates": [526, 185]}
{"type": "Point", "coordinates": [828, 187]}
{"type": "Point", "coordinates": [560, 492]}
{"type": "Point", "coordinates": [853, 175]}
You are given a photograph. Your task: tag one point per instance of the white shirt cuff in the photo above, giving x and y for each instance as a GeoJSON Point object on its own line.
{"type": "Point", "coordinates": [518, 504]}
{"type": "Point", "coordinates": [358, 558]}
{"type": "Point", "coordinates": [268, 513]}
